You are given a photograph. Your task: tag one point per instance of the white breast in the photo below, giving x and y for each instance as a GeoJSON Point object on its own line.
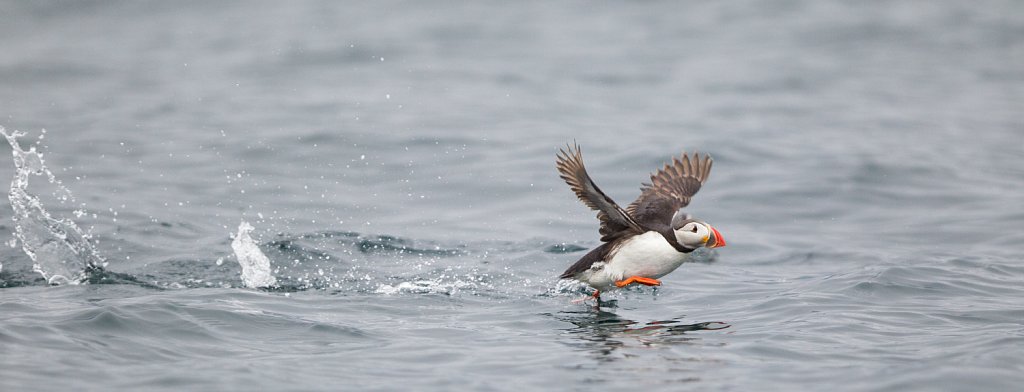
{"type": "Point", "coordinates": [648, 255]}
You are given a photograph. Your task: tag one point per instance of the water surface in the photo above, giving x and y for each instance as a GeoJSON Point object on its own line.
{"type": "Point", "coordinates": [395, 160]}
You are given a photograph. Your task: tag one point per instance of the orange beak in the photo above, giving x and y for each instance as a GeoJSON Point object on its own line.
{"type": "Point", "coordinates": [717, 241]}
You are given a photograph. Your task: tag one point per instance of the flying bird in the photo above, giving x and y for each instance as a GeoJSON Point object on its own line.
{"type": "Point", "coordinates": [649, 238]}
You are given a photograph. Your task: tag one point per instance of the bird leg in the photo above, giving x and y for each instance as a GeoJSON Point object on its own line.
{"type": "Point", "coordinates": [596, 296]}
{"type": "Point", "coordinates": [638, 279]}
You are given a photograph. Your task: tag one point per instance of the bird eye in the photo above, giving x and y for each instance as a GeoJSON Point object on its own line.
{"type": "Point", "coordinates": [694, 229]}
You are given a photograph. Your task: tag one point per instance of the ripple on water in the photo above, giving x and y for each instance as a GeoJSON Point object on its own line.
{"type": "Point", "coordinates": [203, 325]}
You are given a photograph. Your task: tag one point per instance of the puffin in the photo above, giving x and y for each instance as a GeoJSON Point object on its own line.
{"type": "Point", "coordinates": [649, 238]}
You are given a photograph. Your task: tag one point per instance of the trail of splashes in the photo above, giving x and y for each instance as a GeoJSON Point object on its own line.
{"type": "Point", "coordinates": [59, 249]}
{"type": "Point", "coordinates": [432, 286]}
{"type": "Point", "coordinates": [255, 264]}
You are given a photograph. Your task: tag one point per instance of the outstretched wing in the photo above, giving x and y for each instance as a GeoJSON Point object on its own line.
{"type": "Point", "coordinates": [670, 189]}
{"type": "Point", "coordinates": [614, 220]}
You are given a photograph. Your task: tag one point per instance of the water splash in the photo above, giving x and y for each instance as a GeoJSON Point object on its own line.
{"type": "Point", "coordinates": [255, 264]}
{"type": "Point", "coordinates": [60, 251]}
{"type": "Point", "coordinates": [432, 286]}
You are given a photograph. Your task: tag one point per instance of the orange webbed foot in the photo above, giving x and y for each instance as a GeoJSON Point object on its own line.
{"type": "Point", "coordinates": [595, 296]}
{"type": "Point", "coordinates": [638, 279]}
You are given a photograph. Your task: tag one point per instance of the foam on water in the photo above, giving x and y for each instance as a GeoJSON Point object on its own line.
{"type": "Point", "coordinates": [255, 265]}
{"type": "Point", "coordinates": [60, 251]}
{"type": "Point", "coordinates": [422, 287]}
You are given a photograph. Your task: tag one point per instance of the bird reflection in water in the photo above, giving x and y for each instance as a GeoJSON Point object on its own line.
{"type": "Point", "coordinates": [603, 332]}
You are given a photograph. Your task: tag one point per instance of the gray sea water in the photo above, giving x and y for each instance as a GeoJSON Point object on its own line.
{"type": "Point", "coordinates": [396, 163]}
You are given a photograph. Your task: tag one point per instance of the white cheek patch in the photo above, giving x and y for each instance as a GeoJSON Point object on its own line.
{"type": "Point", "coordinates": [691, 240]}
{"type": "Point", "coordinates": [681, 237]}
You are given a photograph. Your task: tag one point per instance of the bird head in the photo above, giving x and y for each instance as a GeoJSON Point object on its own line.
{"type": "Point", "coordinates": [694, 234]}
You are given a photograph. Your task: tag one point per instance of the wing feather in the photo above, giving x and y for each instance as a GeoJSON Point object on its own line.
{"type": "Point", "coordinates": [614, 220]}
{"type": "Point", "coordinates": [670, 189]}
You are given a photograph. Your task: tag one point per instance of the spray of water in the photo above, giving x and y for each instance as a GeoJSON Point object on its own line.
{"type": "Point", "coordinates": [255, 265]}
{"type": "Point", "coordinates": [59, 249]}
